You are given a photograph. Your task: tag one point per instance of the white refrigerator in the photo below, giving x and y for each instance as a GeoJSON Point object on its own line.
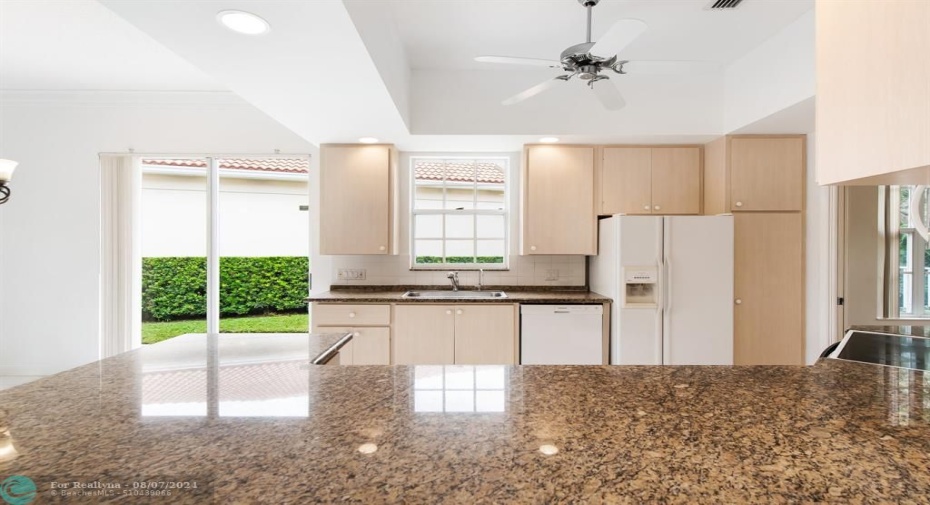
{"type": "Point", "coordinates": [671, 279]}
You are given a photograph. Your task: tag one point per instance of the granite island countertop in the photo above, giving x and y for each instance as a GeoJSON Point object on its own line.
{"type": "Point", "coordinates": [520, 294]}
{"type": "Point", "coordinates": [251, 421]}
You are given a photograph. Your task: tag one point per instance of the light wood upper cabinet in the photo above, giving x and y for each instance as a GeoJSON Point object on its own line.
{"type": "Point", "coordinates": [474, 334]}
{"type": "Point", "coordinates": [650, 180]}
{"type": "Point", "coordinates": [484, 334]}
{"type": "Point", "coordinates": [755, 173]}
{"type": "Point", "coordinates": [424, 334]}
{"type": "Point", "coordinates": [676, 180]}
{"type": "Point", "coordinates": [769, 289]}
{"type": "Point", "coordinates": [626, 181]}
{"type": "Point", "coordinates": [767, 173]}
{"type": "Point", "coordinates": [558, 214]}
{"type": "Point", "coordinates": [357, 199]}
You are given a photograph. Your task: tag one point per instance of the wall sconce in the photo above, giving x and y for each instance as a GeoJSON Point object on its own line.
{"type": "Point", "coordinates": [6, 175]}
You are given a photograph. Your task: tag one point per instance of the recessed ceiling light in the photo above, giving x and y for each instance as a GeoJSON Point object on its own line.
{"type": "Point", "coordinates": [548, 449]}
{"type": "Point", "coordinates": [243, 22]}
{"type": "Point", "coordinates": [368, 140]}
{"type": "Point", "coordinates": [549, 140]}
{"type": "Point", "coordinates": [367, 448]}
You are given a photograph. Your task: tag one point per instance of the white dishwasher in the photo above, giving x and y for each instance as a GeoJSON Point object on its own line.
{"type": "Point", "coordinates": [562, 335]}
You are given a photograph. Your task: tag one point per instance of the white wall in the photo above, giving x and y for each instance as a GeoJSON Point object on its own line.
{"type": "Point", "coordinates": [258, 217]}
{"type": "Point", "coordinates": [49, 231]}
{"type": "Point", "coordinates": [817, 230]}
{"type": "Point", "coordinates": [778, 73]}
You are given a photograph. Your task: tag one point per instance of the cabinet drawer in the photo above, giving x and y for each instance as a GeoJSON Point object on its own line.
{"type": "Point", "coordinates": [351, 315]}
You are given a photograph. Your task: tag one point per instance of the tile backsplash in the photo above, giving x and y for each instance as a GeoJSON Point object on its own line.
{"type": "Point", "coordinates": [524, 271]}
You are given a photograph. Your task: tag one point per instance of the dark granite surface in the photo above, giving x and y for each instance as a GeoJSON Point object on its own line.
{"type": "Point", "coordinates": [917, 331]}
{"type": "Point", "coordinates": [515, 294]}
{"type": "Point", "coordinates": [249, 418]}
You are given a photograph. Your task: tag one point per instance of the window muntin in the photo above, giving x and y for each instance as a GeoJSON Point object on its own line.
{"type": "Point", "coordinates": [459, 212]}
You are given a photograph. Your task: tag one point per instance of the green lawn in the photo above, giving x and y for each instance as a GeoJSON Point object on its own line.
{"type": "Point", "coordinates": [288, 323]}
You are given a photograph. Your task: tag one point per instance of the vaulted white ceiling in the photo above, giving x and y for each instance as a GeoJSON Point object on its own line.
{"type": "Point", "coordinates": [82, 45]}
{"type": "Point", "coordinates": [403, 70]}
{"type": "Point", "coordinates": [448, 34]}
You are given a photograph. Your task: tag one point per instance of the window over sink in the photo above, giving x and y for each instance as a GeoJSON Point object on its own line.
{"type": "Point", "coordinates": [459, 212]}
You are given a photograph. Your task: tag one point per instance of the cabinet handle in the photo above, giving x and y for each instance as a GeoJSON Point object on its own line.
{"type": "Point", "coordinates": [645, 207]}
{"type": "Point", "coordinates": [739, 302]}
{"type": "Point", "coordinates": [657, 207]}
{"type": "Point", "coordinates": [382, 248]}
{"type": "Point", "coordinates": [532, 248]}
{"type": "Point", "coordinates": [739, 204]}
{"type": "Point", "coordinates": [459, 312]}
{"type": "Point", "coordinates": [351, 314]}
{"type": "Point", "coordinates": [448, 312]}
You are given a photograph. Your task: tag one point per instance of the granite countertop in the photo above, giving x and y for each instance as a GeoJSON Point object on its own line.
{"type": "Point", "coordinates": [249, 420]}
{"type": "Point", "coordinates": [915, 331]}
{"type": "Point", "coordinates": [518, 294]}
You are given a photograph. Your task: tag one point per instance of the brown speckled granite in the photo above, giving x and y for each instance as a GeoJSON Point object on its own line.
{"type": "Point", "coordinates": [917, 331]}
{"type": "Point", "coordinates": [835, 432]}
{"type": "Point", "coordinates": [515, 294]}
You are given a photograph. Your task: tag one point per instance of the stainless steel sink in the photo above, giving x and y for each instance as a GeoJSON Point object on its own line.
{"type": "Point", "coordinates": [455, 295]}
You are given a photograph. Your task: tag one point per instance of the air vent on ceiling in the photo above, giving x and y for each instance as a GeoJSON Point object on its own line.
{"type": "Point", "coordinates": [724, 4]}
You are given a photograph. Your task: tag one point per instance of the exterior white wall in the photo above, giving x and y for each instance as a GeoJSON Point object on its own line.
{"type": "Point", "coordinates": [258, 217]}
{"type": "Point", "coordinates": [50, 229]}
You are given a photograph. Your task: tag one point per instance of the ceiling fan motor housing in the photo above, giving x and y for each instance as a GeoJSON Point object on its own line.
{"type": "Point", "coordinates": [577, 59]}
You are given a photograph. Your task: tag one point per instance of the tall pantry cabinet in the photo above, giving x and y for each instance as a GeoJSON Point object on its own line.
{"type": "Point", "coordinates": [760, 179]}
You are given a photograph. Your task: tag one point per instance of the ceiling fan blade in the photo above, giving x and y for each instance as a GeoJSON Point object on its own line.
{"type": "Point", "coordinates": [617, 37]}
{"type": "Point", "coordinates": [511, 60]}
{"type": "Point", "coordinates": [608, 94]}
{"type": "Point", "coordinates": [644, 67]}
{"type": "Point", "coordinates": [535, 90]}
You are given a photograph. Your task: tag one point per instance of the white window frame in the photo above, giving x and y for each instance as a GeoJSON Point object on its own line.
{"type": "Point", "coordinates": [916, 289]}
{"type": "Point", "coordinates": [475, 212]}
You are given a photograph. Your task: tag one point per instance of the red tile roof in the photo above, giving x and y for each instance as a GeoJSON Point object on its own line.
{"type": "Point", "coordinates": [279, 165]}
{"type": "Point", "coordinates": [459, 171]}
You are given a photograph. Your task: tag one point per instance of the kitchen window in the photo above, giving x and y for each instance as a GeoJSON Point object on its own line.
{"type": "Point", "coordinates": [459, 213]}
{"type": "Point", "coordinates": [907, 259]}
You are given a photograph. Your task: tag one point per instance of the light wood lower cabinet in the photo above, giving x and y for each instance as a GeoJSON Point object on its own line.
{"type": "Point", "coordinates": [769, 289]}
{"type": "Point", "coordinates": [370, 345]}
{"type": "Point", "coordinates": [424, 334]}
{"type": "Point", "coordinates": [454, 334]}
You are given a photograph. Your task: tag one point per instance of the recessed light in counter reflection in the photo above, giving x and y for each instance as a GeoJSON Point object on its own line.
{"type": "Point", "coordinates": [548, 449]}
{"type": "Point", "coordinates": [368, 448]}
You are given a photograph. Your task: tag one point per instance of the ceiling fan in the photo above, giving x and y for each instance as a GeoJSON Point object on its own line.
{"type": "Point", "coordinates": [588, 59]}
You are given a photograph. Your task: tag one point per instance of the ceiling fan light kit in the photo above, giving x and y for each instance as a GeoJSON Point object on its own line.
{"type": "Point", "coordinates": [588, 59]}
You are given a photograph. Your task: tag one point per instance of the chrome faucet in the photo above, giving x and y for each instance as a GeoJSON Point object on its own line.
{"type": "Point", "coordinates": [480, 275]}
{"type": "Point", "coordinates": [454, 279]}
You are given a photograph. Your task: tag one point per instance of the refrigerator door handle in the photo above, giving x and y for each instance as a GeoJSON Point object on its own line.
{"type": "Point", "coordinates": [660, 344]}
{"type": "Point", "coordinates": [666, 290]}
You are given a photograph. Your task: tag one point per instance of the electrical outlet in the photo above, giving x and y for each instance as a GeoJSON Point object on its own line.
{"type": "Point", "coordinates": [351, 274]}
{"type": "Point", "coordinates": [552, 275]}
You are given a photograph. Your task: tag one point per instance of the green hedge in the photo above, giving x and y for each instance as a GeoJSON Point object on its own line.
{"type": "Point", "coordinates": [460, 259]}
{"type": "Point", "coordinates": [175, 288]}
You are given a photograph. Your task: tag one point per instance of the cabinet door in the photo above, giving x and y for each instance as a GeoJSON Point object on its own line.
{"type": "Point", "coordinates": [769, 289]}
{"type": "Point", "coordinates": [676, 180]}
{"type": "Point", "coordinates": [355, 199]}
{"type": "Point", "coordinates": [626, 181]}
{"type": "Point", "coordinates": [424, 334]}
{"type": "Point", "coordinates": [371, 346]}
{"type": "Point", "coordinates": [558, 214]}
{"type": "Point", "coordinates": [767, 174]}
{"type": "Point", "coordinates": [485, 335]}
